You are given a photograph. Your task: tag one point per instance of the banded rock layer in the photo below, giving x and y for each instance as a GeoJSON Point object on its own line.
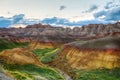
{"type": "Point", "coordinates": [92, 54]}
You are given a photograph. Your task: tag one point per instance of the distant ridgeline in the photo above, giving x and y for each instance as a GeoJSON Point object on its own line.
{"type": "Point", "coordinates": [48, 33]}
{"type": "Point", "coordinates": [47, 36]}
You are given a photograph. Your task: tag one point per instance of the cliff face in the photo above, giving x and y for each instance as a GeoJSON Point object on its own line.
{"type": "Point", "coordinates": [91, 59]}
{"type": "Point", "coordinates": [93, 54]}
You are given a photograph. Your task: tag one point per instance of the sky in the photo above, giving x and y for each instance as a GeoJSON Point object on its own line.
{"type": "Point", "coordinates": [58, 12]}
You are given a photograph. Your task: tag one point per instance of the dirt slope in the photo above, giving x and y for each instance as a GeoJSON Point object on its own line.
{"type": "Point", "coordinates": [19, 56]}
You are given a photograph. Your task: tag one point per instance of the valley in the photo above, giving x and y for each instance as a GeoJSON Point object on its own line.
{"type": "Point", "coordinates": [44, 52]}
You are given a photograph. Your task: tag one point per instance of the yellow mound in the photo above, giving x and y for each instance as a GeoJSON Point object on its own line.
{"type": "Point", "coordinates": [19, 56]}
{"type": "Point", "coordinates": [91, 59]}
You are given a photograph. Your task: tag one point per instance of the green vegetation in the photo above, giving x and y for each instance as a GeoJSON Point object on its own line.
{"type": "Point", "coordinates": [29, 71]}
{"type": "Point", "coordinates": [32, 72]}
{"type": "Point", "coordinates": [4, 44]}
{"type": "Point", "coordinates": [98, 74]}
{"type": "Point", "coordinates": [46, 55]}
{"type": "Point", "coordinates": [42, 52]}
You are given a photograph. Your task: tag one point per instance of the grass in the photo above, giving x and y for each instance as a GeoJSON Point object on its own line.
{"type": "Point", "coordinates": [42, 52]}
{"type": "Point", "coordinates": [98, 74]}
{"type": "Point", "coordinates": [4, 44]}
{"type": "Point", "coordinates": [29, 71]}
{"type": "Point", "coordinates": [46, 55]}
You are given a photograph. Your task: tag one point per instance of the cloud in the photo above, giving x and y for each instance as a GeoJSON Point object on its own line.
{"type": "Point", "coordinates": [5, 22]}
{"type": "Point", "coordinates": [100, 14]}
{"type": "Point", "coordinates": [108, 5]}
{"type": "Point", "coordinates": [62, 7]}
{"type": "Point", "coordinates": [111, 15]}
{"type": "Point", "coordinates": [110, 12]}
{"type": "Point", "coordinates": [17, 18]}
{"type": "Point", "coordinates": [55, 21]}
{"type": "Point", "coordinates": [104, 16]}
{"type": "Point", "coordinates": [18, 26]}
{"type": "Point", "coordinates": [112, 4]}
{"type": "Point", "coordinates": [91, 9]}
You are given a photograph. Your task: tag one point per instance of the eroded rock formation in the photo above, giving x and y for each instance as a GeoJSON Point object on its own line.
{"type": "Point", "coordinates": [93, 54]}
{"type": "Point", "coordinates": [19, 56]}
{"type": "Point", "coordinates": [59, 34]}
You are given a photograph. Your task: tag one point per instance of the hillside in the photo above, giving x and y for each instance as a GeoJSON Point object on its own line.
{"type": "Point", "coordinates": [21, 63]}
{"type": "Point", "coordinates": [45, 52]}
{"type": "Point", "coordinates": [89, 55]}
{"type": "Point", "coordinates": [5, 44]}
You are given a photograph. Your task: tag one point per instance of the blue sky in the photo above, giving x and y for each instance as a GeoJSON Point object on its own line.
{"type": "Point", "coordinates": [58, 12]}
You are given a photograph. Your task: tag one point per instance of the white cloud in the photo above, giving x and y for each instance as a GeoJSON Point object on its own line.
{"type": "Point", "coordinates": [17, 26]}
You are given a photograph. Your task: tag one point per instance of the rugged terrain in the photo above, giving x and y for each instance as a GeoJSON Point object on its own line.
{"type": "Point", "coordinates": [92, 54]}
{"type": "Point", "coordinates": [45, 52]}
{"type": "Point", "coordinates": [47, 33]}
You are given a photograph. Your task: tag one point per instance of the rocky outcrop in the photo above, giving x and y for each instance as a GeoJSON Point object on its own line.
{"type": "Point", "coordinates": [93, 54]}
